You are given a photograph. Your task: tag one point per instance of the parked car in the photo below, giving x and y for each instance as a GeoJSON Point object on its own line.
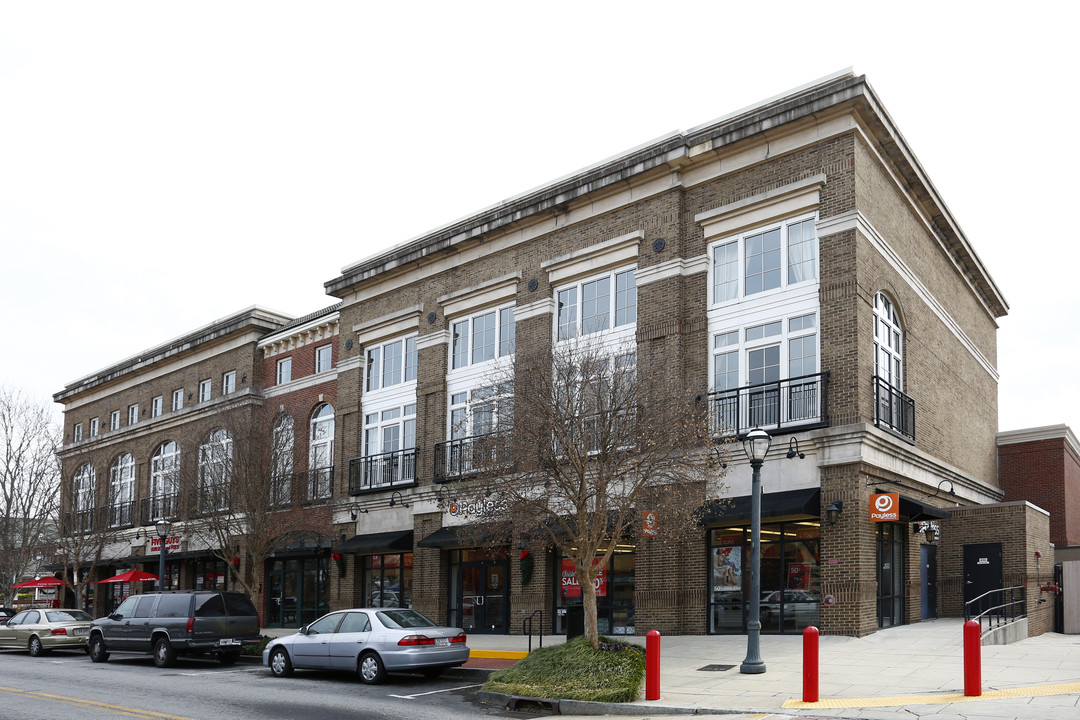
{"type": "Point", "coordinates": [177, 622]}
{"type": "Point", "coordinates": [40, 631]}
{"type": "Point", "coordinates": [371, 642]}
{"type": "Point", "coordinates": [801, 608]}
{"type": "Point", "coordinates": [6, 614]}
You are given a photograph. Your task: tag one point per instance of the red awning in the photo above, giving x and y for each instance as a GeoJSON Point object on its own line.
{"type": "Point", "coordinates": [130, 576]}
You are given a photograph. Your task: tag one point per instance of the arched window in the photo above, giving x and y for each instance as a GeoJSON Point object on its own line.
{"type": "Point", "coordinates": [888, 343]}
{"type": "Point", "coordinates": [281, 452]}
{"type": "Point", "coordinates": [321, 453]}
{"type": "Point", "coordinates": [215, 471]}
{"type": "Point", "coordinates": [122, 490]}
{"type": "Point", "coordinates": [164, 481]}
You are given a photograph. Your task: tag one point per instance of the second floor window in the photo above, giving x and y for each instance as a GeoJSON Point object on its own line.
{"type": "Point", "coordinates": [483, 337]}
{"type": "Point", "coordinates": [164, 481]}
{"type": "Point", "coordinates": [83, 488]}
{"type": "Point", "coordinates": [390, 430]}
{"type": "Point", "coordinates": [228, 382]}
{"type": "Point", "coordinates": [156, 406]}
{"type": "Point", "coordinates": [284, 370]}
{"type": "Point", "coordinates": [764, 260]}
{"type": "Point", "coordinates": [597, 304]}
{"type": "Point", "coordinates": [205, 388]}
{"type": "Point", "coordinates": [178, 399]}
{"type": "Point", "coordinates": [215, 471]}
{"type": "Point", "coordinates": [122, 489]}
{"type": "Point", "coordinates": [133, 414]}
{"type": "Point", "coordinates": [114, 420]}
{"type": "Point", "coordinates": [322, 437]}
{"type": "Point", "coordinates": [323, 358]}
{"type": "Point", "coordinates": [281, 459]}
{"type": "Point", "coordinates": [78, 432]}
{"type": "Point", "coordinates": [481, 411]}
{"type": "Point", "coordinates": [888, 342]}
{"type": "Point", "coordinates": [95, 424]}
{"type": "Point", "coordinates": [391, 363]}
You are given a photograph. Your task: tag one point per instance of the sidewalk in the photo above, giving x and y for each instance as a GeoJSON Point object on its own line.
{"type": "Point", "coordinates": [903, 672]}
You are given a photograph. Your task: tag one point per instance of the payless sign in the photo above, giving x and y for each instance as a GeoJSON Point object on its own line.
{"type": "Point", "coordinates": [885, 507]}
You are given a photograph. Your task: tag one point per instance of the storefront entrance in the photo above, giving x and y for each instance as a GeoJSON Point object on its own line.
{"type": "Point", "coordinates": [614, 593]}
{"type": "Point", "coordinates": [479, 590]}
{"type": "Point", "coordinates": [890, 598]}
{"type": "Point", "coordinates": [297, 591]}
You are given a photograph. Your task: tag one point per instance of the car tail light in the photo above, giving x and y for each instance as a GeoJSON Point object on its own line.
{"type": "Point", "coordinates": [460, 637]}
{"type": "Point", "coordinates": [416, 640]}
{"type": "Point", "coordinates": [59, 631]}
{"type": "Point", "coordinates": [190, 624]}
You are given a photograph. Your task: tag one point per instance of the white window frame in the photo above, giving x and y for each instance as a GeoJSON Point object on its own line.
{"type": "Point", "coordinates": [320, 475]}
{"type": "Point", "coordinates": [215, 468]}
{"type": "Point", "coordinates": [744, 345]}
{"type": "Point", "coordinates": [627, 327]}
{"type": "Point", "coordinates": [95, 426]}
{"type": "Point", "coordinates": [888, 341]}
{"type": "Point", "coordinates": [282, 451]}
{"type": "Point", "coordinates": [324, 358]}
{"type": "Point", "coordinates": [206, 388]}
{"type": "Point", "coordinates": [114, 420]}
{"type": "Point", "coordinates": [164, 480]}
{"type": "Point", "coordinates": [133, 414]}
{"type": "Point", "coordinates": [77, 432]}
{"type": "Point", "coordinates": [284, 370]}
{"type": "Point", "coordinates": [785, 268]}
{"type": "Point", "coordinates": [375, 357]}
{"type": "Point", "coordinates": [178, 399]}
{"type": "Point", "coordinates": [156, 405]}
{"type": "Point", "coordinates": [398, 417]}
{"type": "Point", "coordinates": [464, 406]}
{"type": "Point", "coordinates": [83, 487]}
{"type": "Point", "coordinates": [462, 336]}
{"type": "Point", "coordinates": [228, 382]}
{"type": "Point", "coordinates": [122, 489]}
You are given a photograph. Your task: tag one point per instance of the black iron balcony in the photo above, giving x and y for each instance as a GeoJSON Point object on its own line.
{"type": "Point", "coordinates": [122, 514]}
{"type": "Point", "coordinates": [799, 403]}
{"type": "Point", "coordinates": [80, 522]}
{"type": "Point", "coordinates": [893, 410]}
{"type": "Point", "coordinates": [393, 469]}
{"type": "Point", "coordinates": [159, 507]}
{"type": "Point", "coordinates": [465, 457]}
{"type": "Point", "coordinates": [314, 485]}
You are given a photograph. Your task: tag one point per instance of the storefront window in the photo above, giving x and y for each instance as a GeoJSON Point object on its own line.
{"type": "Point", "coordinates": [790, 577]}
{"type": "Point", "coordinates": [211, 575]}
{"type": "Point", "coordinates": [388, 580]}
{"type": "Point", "coordinates": [891, 574]}
{"type": "Point", "coordinates": [297, 591]}
{"type": "Point", "coordinates": [614, 593]}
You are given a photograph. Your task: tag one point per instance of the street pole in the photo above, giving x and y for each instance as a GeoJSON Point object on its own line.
{"type": "Point", "coordinates": [756, 446]}
{"type": "Point", "coordinates": [163, 527]}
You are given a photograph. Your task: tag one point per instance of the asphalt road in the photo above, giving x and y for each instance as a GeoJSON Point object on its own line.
{"type": "Point", "coordinates": [67, 686]}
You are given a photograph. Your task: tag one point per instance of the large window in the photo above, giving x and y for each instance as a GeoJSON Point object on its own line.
{"type": "Point", "coordinates": [164, 481]}
{"type": "Point", "coordinates": [85, 479]}
{"type": "Point", "coordinates": [391, 363]}
{"type": "Point", "coordinates": [389, 447]}
{"type": "Point", "coordinates": [614, 593]}
{"type": "Point", "coordinates": [284, 370]}
{"type": "Point", "coordinates": [597, 304]}
{"type": "Point", "coordinates": [888, 342]}
{"type": "Point", "coordinates": [323, 358]}
{"type": "Point", "coordinates": [122, 490]}
{"type": "Point", "coordinates": [321, 453]}
{"type": "Point", "coordinates": [388, 580]}
{"type": "Point", "coordinates": [763, 260]}
{"type": "Point", "coordinates": [283, 443]}
{"type": "Point", "coordinates": [482, 337]}
{"type": "Point", "coordinates": [215, 471]}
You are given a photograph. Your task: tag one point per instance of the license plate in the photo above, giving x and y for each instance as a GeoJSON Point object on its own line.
{"type": "Point", "coordinates": [442, 642]}
{"type": "Point", "coordinates": [228, 641]}
{"type": "Point", "coordinates": [81, 631]}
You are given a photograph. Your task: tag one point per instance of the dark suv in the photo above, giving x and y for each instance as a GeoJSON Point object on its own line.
{"type": "Point", "coordinates": [177, 622]}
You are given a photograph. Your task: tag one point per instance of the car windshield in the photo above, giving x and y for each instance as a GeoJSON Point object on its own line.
{"type": "Point", "coordinates": [403, 619]}
{"type": "Point", "coordinates": [59, 616]}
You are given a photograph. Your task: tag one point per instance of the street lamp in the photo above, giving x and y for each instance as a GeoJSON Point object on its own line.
{"type": "Point", "coordinates": [163, 527]}
{"type": "Point", "coordinates": [756, 446]}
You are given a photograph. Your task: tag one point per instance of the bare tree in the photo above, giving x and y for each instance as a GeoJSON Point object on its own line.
{"type": "Point", "coordinates": [246, 500]}
{"type": "Point", "coordinates": [29, 483]}
{"type": "Point", "coordinates": [596, 442]}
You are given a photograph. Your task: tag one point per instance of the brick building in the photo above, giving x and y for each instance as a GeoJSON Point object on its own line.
{"type": "Point", "coordinates": [792, 262]}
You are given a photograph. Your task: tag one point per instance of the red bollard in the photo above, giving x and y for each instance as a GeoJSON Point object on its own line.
{"type": "Point", "coordinates": [972, 659]}
{"type": "Point", "coordinates": [652, 665]}
{"type": "Point", "coordinates": [810, 664]}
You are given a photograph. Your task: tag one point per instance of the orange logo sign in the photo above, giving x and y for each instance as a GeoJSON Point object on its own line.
{"type": "Point", "coordinates": [885, 507]}
{"type": "Point", "coordinates": [650, 527]}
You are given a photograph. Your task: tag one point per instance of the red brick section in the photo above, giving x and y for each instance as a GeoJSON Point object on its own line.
{"type": "Point", "coordinates": [1046, 473]}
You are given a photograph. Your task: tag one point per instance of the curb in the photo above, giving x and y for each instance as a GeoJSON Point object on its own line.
{"type": "Point", "coordinates": [586, 707]}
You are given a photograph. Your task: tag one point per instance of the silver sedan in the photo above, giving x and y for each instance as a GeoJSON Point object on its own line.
{"type": "Point", "coordinates": [371, 642]}
{"type": "Point", "coordinates": [39, 631]}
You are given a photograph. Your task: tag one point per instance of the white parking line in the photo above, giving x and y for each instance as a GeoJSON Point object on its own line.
{"type": "Point", "coordinates": [432, 692]}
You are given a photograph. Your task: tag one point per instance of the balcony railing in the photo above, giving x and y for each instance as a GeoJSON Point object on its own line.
{"type": "Point", "coordinates": [793, 403]}
{"type": "Point", "coordinates": [465, 457]}
{"type": "Point", "coordinates": [314, 485]}
{"type": "Point", "coordinates": [122, 514]}
{"type": "Point", "coordinates": [159, 507]}
{"type": "Point", "coordinates": [893, 410]}
{"type": "Point", "coordinates": [383, 471]}
{"type": "Point", "coordinates": [79, 522]}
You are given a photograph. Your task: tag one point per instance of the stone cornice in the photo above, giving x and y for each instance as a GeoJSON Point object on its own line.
{"type": "Point", "coordinates": [1045, 432]}
{"type": "Point", "coordinates": [309, 334]}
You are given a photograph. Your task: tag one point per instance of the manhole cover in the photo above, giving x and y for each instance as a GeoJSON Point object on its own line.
{"type": "Point", "coordinates": [716, 668]}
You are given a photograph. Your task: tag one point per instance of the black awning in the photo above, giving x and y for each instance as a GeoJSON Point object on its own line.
{"type": "Point", "coordinates": [915, 511]}
{"type": "Point", "coordinates": [399, 540]}
{"type": "Point", "coordinates": [443, 537]}
{"type": "Point", "coordinates": [781, 504]}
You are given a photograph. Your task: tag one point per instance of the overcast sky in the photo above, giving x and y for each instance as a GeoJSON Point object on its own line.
{"type": "Point", "coordinates": [163, 165]}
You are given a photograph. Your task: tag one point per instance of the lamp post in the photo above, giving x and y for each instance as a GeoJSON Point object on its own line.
{"type": "Point", "coordinates": [756, 446]}
{"type": "Point", "coordinates": [163, 527]}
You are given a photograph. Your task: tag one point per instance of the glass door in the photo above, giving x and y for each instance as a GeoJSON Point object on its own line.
{"type": "Point", "coordinates": [481, 592]}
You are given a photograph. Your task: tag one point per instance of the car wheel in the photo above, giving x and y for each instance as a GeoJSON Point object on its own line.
{"type": "Point", "coordinates": [432, 673]}
{"type": "Point", "coordinates": [97, 649]}
{"type": "Point", "coordinates": [164, 655]}
{"type": "Point", "coordinates": [35, 648]}
{"type": "Point", "coordinates": [280, 664]}
{"type": "Point", "coordinates": [371, 669]}
{"type": "Point", "coordinates": [229, 658]}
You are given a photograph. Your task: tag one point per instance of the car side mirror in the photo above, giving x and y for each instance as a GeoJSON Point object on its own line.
{"type": "Point", "coordinates": [302, 630]}
{"type": "Point", "coordinates": [116, 616]}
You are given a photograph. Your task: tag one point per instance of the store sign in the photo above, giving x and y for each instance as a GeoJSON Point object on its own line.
{"type": "Point", "coordinates": [650, 527]}
{"type": "Point", "coordinates": [885, 507]}
{"type": "Point", "coordinates": [172, 544]}
{"type": "Point", "coordinates": [569, 582]}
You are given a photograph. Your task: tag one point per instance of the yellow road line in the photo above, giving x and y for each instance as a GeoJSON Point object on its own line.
{"type": "Point", "coordinates": [503, 654]}
{"type": "Point", "coordinates": [943, 699]}
{"type": "Point", "coordinates": [93, 704]}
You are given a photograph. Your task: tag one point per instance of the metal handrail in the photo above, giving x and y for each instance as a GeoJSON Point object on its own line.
{"type": "Point", "coordinates": [529, 621]}
{"type": "Point", "coordinates": [393, 469]}
{"type": "Point", "coordinates": [1002, 613]}
{"type": "Point", "coordinates": [893, 410]}
{"type": "Point", "coordinates": [798, 402]}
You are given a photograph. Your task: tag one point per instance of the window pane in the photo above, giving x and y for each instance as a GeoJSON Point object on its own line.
{"type": "Point", "coordinates": [410, 359]}
{"type": "Point", "coordinates": [802, 356]}
{"type": "Point", "coordinates": [483, 338]}
{"type": "Point", "coordinates": [625, 299]}
{"type": "Point", "coordinates": [763, 262]}
{"type": "Point", "coordinates": [373, 369]}
{"type": "Point", "coordinates": [726, 339]}
{"type": "Point", "coordinates": [507, 332]}
{"type": "Point", "coordinates": [802, 252]}
{"type": "Point", "coordinates": [595, 306]}
{"type": "Point", "coordinates": [568, 314]}
{"type": "Point", "coordinates": [392, 362]}
{"type": "Point", "coordinates": [725, 272]}
{"type": "Point", "coordinates": [726, 371]}
{"type": "Point", "coordinates": [461, 344]}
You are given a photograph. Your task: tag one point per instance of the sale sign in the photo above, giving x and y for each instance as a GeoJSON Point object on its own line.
{"type": "Point", "coordinates": [569, 582]}
{"type": "Point", "coordinates": [885, 507]}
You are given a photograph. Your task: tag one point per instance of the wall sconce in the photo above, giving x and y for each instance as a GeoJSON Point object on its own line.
{"type": "Point", "coordinates": [357, 509]}
{"type": "Point", "coordinates": [833, 513]}
{"type": "Point", "coordinates": [928, 529]}
{"type": "Point", "coordinates": [793, 449]}
{"type": "Point", "coordinates": [396, 499]}
{"type": "Point", "coordinates": [440, 500]}
{"type": "Point", "coordinates": [138, 535]}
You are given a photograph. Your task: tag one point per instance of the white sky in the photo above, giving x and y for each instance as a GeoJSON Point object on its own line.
{"type": "Point", "coordinates": [166, 164]}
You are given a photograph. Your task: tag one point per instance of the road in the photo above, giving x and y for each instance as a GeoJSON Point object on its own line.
{"type": "Point", "coordinates": [67, 686]}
